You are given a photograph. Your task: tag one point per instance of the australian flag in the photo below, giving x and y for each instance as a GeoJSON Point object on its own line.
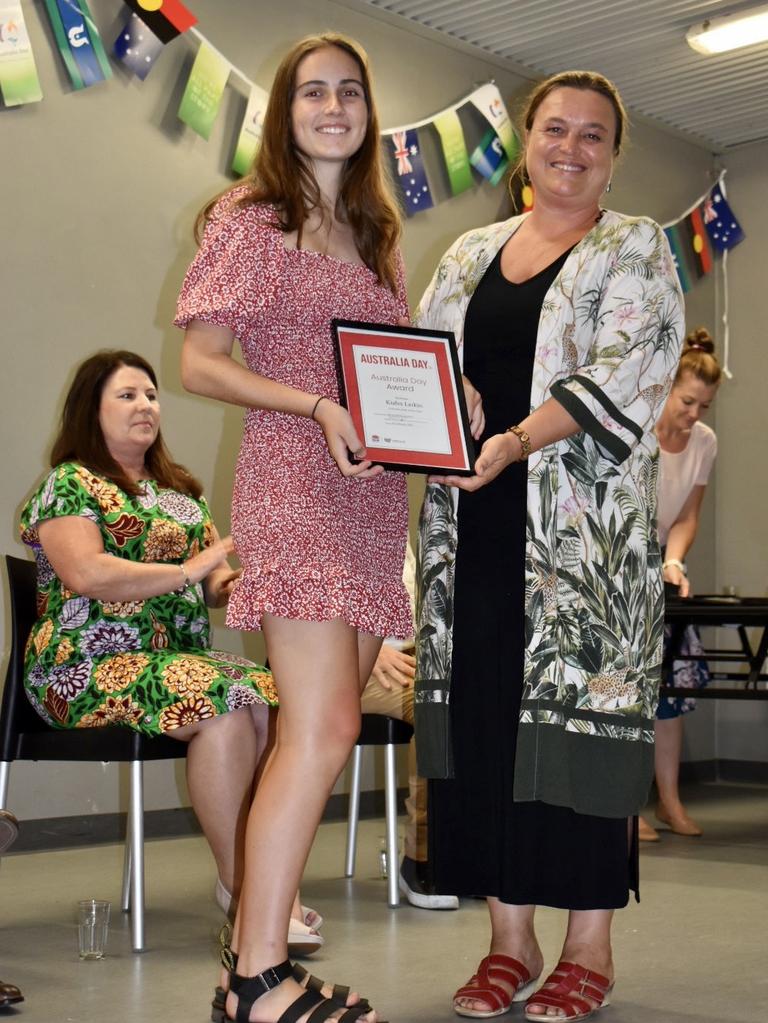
{"type": "Point", "coordinates": [410, 173]}
{"type": "Point", "coordinates": [722, 227]}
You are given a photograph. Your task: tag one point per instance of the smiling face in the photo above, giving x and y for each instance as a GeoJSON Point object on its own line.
{"type": "Point", "coordinates": [329, 112]}
{"type": "Point", "coordinates": [129, 414]}
{"type": "Point", "coordinates": [687, 403]}
{"type": "Point", "coordinates": [569, 148]}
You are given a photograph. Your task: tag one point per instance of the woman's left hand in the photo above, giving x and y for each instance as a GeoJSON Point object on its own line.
{"type": "Point", "coordinates": [497, 453]}
{"type": "Point", "coordinates": [219, 585]}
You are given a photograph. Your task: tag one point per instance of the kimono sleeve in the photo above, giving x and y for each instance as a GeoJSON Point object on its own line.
{"type": "Point", "coordinates": [434, 309]}
{"type": "Point", "coordinates": [235, 275]}
{"type": "Point", "coordinates": [635, 313]}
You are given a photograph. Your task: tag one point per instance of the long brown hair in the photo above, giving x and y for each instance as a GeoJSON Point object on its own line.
{"type": "Point", "coordinates": [699, 358]}
{"type": "Point", "coordinates": [80, 437]}
{"type": "Point", "coordinates": [282, 176]}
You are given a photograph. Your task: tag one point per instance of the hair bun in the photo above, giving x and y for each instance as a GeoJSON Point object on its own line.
{"type": "Point", "coordinates": [699, 340]}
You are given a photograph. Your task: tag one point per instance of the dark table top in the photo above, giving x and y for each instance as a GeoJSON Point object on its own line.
{"type": "Point", "coordinates": [716, 609]}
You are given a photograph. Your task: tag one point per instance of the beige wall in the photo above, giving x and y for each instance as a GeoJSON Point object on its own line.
{"type": "Point", "coordinates": [741, 497]}
{"type": "Point", "coordinates": [100, 190]}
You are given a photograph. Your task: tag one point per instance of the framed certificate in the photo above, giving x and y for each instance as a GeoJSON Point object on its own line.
{"type": "Point", "coordinates": [402, 386]}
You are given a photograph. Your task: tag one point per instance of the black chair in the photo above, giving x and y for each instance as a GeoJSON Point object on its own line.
{"type": "Point", "coordinates": [25, 736]}
{"type": "Point", "coordinates": [389, 732]}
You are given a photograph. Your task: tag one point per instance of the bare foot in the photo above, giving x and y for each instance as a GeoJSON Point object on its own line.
{"type": "Point", "coordinates": [678, 820]}
{"type": "Point", "coordinates": [646, 832]}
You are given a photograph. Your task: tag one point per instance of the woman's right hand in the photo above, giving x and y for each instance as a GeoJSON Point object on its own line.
{"type": "Point", "coordinates": [341, 438]}
{"type": "Point", "coordinates": [200, 566]}
{"type": "Point", "coordinates": [672, 574]}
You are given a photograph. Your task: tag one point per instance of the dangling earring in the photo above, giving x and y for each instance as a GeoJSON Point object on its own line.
{"type": "Point", "coordinates": [608, 187]}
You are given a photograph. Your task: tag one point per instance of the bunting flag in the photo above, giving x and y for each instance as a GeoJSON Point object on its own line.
{"type": "Point", "coordinates": [410, 174]}
{"type": "Point", "coordinates": [202, 96]}
{"type": "Point", "coordinates": [680, 244]}
{"type": "Point", "coordinates": [489, 158]}
{"type": "Point", "coordinates": [18, 74]}
{"type": "Point", "coordinates": [165, 18]}
{"type": "Point", "coordinates": [79, 42]}
{"type": "Point", "coordinates": [487, 99]}
{"type": "Point", "coordinates": [250, 133]}
{"type": "Point", "coordinates": [709, 227]}
{"type": "Point", "coordinates": [702, 250]}
{"type": "Point", "coordinates": [722, 226]}
{"type": "Point", "coordinates": [448, 127]}
{"type": "Point", "coordinates": [137, 47]}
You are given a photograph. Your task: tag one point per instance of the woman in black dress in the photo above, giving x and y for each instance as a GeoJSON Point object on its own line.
{"type": "Point", "coordinates": [569, 322]}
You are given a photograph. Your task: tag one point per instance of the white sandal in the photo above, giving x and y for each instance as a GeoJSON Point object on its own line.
{"type": "Point", "coordinates": [303, 938]}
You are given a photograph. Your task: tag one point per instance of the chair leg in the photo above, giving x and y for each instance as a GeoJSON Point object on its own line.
{"type": "Point", "coordinates": [354, 813]}
{"type": "Point", "coordinates": [5, 771]}
{"type": "Point", "coordinates": [390, 797]}
{"type": "Point", "coordinates": [125, 898]}
{"type": "Point", "coordinates": [136, 824]}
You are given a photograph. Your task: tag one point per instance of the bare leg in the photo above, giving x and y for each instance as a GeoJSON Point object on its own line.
{"type": "Point", "coordinates": [669, 745]}
{"type": "Point", "coordinates": [222, 760]}
{"type": "Point", "coordinates": [512, 934]}
{"type": "Point", "coordinates": [317, 668]}
{"type": "Point", "coordinates": [588, 944]}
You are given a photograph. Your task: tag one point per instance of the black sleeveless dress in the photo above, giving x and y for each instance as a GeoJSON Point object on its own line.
{"type": "Point", "coordinates": [482, 842]}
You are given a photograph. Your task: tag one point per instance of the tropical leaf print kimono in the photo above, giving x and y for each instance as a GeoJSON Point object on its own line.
{"type": "Point", "coordinates": [607, 349]}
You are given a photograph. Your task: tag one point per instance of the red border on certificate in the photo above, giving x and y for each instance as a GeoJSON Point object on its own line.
{"type": "Point", "coordinates": [406, 345]}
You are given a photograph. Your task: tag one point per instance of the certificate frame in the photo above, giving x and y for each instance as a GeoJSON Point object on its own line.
{"type": "Point", "coordinates": [406, 399]}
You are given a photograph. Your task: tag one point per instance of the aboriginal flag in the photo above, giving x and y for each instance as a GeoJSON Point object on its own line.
{"type": "Point", "coordinates": [702, 249]}
{"type": "Point", "coordinates": [165, 18]}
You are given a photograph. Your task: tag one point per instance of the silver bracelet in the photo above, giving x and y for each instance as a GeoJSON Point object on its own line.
{"type": "Point", "coordinates": [186, 581]}
{"type": "Point", "coordinates": [674, 563]}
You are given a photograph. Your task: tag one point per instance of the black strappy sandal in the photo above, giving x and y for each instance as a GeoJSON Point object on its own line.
{"type": "Point", "coordinates": [307, 980]}
{"type": "Point", "coordinates": [250, 989]}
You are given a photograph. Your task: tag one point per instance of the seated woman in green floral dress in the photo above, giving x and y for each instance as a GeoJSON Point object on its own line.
{"type": "Point", "coordinates": [127, 559]}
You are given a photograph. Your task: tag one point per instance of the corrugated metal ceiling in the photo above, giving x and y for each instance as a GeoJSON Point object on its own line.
{"type": "Point", "coordinates": [719, 101]}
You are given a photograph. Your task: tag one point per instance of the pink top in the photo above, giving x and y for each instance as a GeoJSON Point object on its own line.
{"type": "Point", "coordinates": [313, 544]}
{"type": "Point", "coordinates": [679, 473]}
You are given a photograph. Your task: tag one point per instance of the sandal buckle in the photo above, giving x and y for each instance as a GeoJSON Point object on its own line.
{"type": "Point", "coordinates": [270, 978]}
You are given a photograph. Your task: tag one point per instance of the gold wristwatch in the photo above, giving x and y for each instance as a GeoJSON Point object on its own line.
{"type": "Point", "coordinates": [525, 440]}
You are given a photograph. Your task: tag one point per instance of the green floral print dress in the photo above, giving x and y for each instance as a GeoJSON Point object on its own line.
{"type": "Point", "coordinates": [147, 663]}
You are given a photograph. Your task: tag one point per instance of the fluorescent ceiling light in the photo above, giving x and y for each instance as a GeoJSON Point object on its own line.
{"type": "Point", "coordinates": [716, 35]}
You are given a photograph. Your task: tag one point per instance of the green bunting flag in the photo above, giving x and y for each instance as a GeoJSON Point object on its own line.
{"type": "Point", "coordinates": [18, 74]}
{"type": "Point", "coordinates": [202, 96]}
{"type": "Point", "coordinates": [454, 150]}
{"type": "Point", "coordinates": [488, 101]}
{"type": "Point", "coordinates": [250, 132]}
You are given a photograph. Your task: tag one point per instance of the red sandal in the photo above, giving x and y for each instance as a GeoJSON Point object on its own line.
{"type": "Point", "coordinates": [567, 988]}
{"type": "Point", "coordinates": [485, 986]}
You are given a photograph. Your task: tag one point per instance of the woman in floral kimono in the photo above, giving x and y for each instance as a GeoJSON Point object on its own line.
{"type": "Point", "coordinates": [541, 605]}
{"type": "Point", "coordinates": [127, 559]}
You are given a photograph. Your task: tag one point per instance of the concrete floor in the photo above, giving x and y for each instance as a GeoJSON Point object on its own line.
{"type": "Point", "coordinates": [693, 951]}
